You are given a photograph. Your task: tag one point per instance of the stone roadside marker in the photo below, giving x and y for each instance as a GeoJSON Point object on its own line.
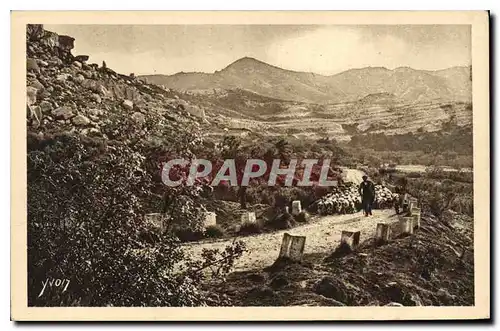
{"type": "Point", "coordinates": [406, 224]}
{"type": "Point", "coordinates": [296, 207]}
{"type": "Point", "coordinates": [351, 238]}
{"type": "Point", "coordinates": [292, 247]}
{"type": "Point", "coordinates": [383, 233]}
{"type": "Point", "coordinates": [416, 214]}
{"type": "Point", "coordinates": [248, 217]}
{"type": "Point", "coordinates": [210, 219]}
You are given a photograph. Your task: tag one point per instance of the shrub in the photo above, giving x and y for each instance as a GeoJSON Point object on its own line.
{"type": "Point", "coordinates": [214, 231]}
{"type": "Point", "coordinates": [282, 221]}
{"type": "Point", "coordinates": [439, 196]}
{"type": "Point", "coordinates": [302, 217]}
{"type": "Point", "coordinates": [185, 213]}
{"type": "Point", "coordinates": [186, 235]}
{"type": "Point", "coordinates": [414, 175]}
{"type": "Point", "coordinates": [250, 228]}
{"type": "Point", "coordinates": [85, 224]}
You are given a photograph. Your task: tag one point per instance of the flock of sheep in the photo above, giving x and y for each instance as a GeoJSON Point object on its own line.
{"type": "Point", "coordinates": [346, 199]}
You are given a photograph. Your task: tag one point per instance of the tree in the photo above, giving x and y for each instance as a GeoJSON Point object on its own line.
{"type": "Point", "coordinates": [86, 201]}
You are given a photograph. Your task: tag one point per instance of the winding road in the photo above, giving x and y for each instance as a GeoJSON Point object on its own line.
{"type": "Point", "coordinates": [322, 235]}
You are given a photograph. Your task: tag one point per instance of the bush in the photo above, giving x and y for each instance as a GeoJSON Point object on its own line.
{"type": "Point", "coordinates": [250, 228]}
{"type": "Point", "coordinates": [438, 196]}
{"type": "Point", "coordinates": [282, 221]}
{"type": "Point", "coordinates": [186, 235]}
{"type": "Point", "coordinates": [414, 175]}
{"type": "Point", "coordinates": [85, 224]}
{"type": "Point", "coordinates": [214, 231]}
{"type": "Point", "coordinates": [302, 217]}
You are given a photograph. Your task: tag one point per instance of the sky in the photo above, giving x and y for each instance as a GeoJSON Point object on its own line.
{"type": "Point", "coordinates": [322, 49]}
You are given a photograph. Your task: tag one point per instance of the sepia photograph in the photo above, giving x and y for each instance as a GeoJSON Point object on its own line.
{"type": "Point", "coordinates": [308, 161]}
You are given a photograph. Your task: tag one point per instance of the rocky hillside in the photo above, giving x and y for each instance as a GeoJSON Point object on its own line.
{"type": "Point", "coordinates": [411, 85]}
{"type": "Point", "coordinates": [67, 94]}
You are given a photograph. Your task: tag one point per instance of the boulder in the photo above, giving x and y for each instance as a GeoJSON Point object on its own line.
{"type": "Point", "coordinates": [124, 92]}
{"type": "Point", "coordinates": [32, 65]}
{"type": "Point", "coordinates": [62, 77]}
{"type": "Point", "coordinates": [50, 39]}
{"type": "Point", "coordinates": [34, 32]}
{"type": "Point", "coordinates": [80, 120]}
{"type": "Point", "coordinates": [55, 61]}
{"type": "Point", "coordinates": [79, 78]}
{"type": "Point", "coordinates": [43, 94]}
{"type": "Point", "coordinates": [95, 112]}
{"type": "Point", "coordinates": [45, 106]}
{"type": "Point", "coordinates": [139, 117]}
{"type": "Point", "coordinates": [66, 43]}
{"type": "Point", "coordinates": [96, 98]}
{"type": "Point", "coordinates": [82, 58]}
{"type": "Point", "coordinates": [30, 95]}
{"type": "Point", "coordinates": [95, 87]}
{"type": "Point", "coordinates": [127, 104]}
{"type": "Point", "coordinates": [77, 64]}
{"type": "Point", "coordinates": [94, 131]}
{"type": "Point", "coordinates": [331, 288]}
{"type": "Point", "coordinates": [36, 84]}
{"type": "Point", "coordinates": [42, 63]}
{"type": "Point", "coordinates": [88, 74]}
{"type": "Point", "coordinates": [63, 113]}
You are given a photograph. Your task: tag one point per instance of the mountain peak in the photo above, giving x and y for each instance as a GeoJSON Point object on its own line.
{"type": "Point", "coordinates": [247, 59]}
{"type": "Point", "coordinates": [245, 62]}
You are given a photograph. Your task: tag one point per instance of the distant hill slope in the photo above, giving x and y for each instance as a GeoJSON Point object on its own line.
{"type": "Point", "coordinates": [452, 84]}
{"type": "Point", "coordinates": [243, 111]}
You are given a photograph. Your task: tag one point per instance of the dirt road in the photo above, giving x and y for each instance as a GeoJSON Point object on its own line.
{"type": "Point", "coordinates": [423, 168]}
{"type": "Point", "coordinates": [322, 236]}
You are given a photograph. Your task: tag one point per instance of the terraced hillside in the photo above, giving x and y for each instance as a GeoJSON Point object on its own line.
{"type": "Point", "coordinates": [241, 112]}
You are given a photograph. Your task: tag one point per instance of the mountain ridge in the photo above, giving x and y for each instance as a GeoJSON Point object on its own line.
{"type": "Point", "coordinates": [255, 60]}
{"type": "Point", "coordinates": [259, 77]}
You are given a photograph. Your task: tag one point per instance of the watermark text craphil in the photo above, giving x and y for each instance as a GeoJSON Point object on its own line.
{"type": "Point", "coordinates": [231, 172]}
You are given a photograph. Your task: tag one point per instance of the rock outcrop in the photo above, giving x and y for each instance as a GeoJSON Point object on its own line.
{"type": "Point", "coordinates": [66, 94]}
